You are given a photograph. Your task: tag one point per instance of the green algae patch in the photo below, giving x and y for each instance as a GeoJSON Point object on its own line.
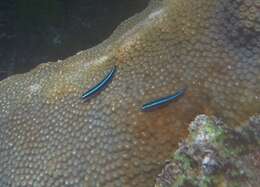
{"type": "Point", "coordinates": [215, 155]}
{"type": "Point", "coordinates": [211, 131]}
{"type": "Point", "coordinates": [207, 131]}
{"type": "Point", "coordinates": [184, 160]}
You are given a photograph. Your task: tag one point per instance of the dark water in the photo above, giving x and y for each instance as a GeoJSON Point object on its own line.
{"type": "Point", "coordinates": [37, 31]}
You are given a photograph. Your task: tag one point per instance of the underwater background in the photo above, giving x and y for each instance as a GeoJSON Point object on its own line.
{"type": "Point", "coordinates": [37, 31]}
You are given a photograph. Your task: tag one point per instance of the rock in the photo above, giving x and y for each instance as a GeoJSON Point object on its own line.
{"type": "Point", "coordinates": [229, 157]}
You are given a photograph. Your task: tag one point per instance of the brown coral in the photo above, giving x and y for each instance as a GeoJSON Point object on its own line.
{"type": "Point", "coordinates": [49, 137]}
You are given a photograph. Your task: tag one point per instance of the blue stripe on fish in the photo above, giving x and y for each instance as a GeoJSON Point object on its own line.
{"type": "Point", "coordinates": [100, 86]}
{"type": "Point", "coordinates": [162, 101]}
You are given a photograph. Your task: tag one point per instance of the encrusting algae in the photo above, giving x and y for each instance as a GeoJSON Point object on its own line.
{"type": "Point", "coordinates": [50, 137]}
{"type": "Point", "coordinates": [215, 155]}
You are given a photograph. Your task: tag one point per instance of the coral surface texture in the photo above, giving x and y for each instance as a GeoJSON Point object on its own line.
{"type": "Point", "coordinates": [49, 137]}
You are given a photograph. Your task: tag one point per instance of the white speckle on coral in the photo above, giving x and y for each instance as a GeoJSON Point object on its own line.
{"type": "Point", "coordinates": [96, 61]}
{"type": "Point", "coordinates": [80, 52]}
{"type": "Point", "coordinates": [202, 138]}
{"type": "Point", "coordinates": [35, 88]}
{"type": "Point", "coordinates": [206, 160]}
{"type": "Point", "coordinates": [135, 31]}
{"type": "Point", "coordinates": [209, 164]}
{"type": "Point", "coordinates": [199, 121]}
{"type": "Point", "coordinates": [155, 14]}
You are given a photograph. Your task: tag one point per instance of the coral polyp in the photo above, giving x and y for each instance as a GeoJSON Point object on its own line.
{"type": "Point", "coordinates": [49, 137]}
